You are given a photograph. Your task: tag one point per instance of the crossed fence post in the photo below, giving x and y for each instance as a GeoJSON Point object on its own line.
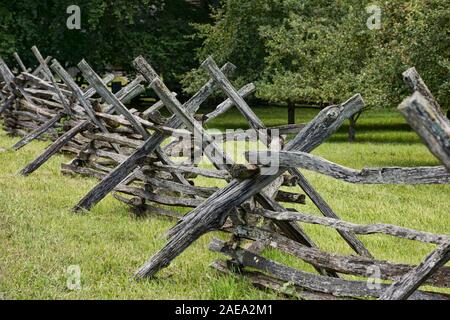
{"type": "Point", "coordinates": [129, 165]}
{"type": "Point", "coordinates": [212, 213]}
{"type": "Point", "coordinates": [109, 97]}
{"type": "Point", "coordinates": [81, 98]}
{"type": "Point", "coordinates": [20, 62]}
{"type": "Point", "coordinates": [50, 76]}
{"type": "Point", "coordinates": [56, 118]}
{"type": "Point", "coordinates": [149, 146]}
{"type": "Point", "coordinates": [426, 117]}
{"type": "Point", "coordinates": [420, 111]}
{"type": "Point", "coordinates": [257, 124]}
{"type": "Point", "coordinates": [126, 94]}
{"type": "Point", "coordinates": [14, 87]}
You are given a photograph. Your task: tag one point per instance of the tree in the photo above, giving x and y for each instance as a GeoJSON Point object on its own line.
{"type": "Point", "coordinates": [321, 52]}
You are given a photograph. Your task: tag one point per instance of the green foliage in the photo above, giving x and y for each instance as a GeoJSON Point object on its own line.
{"type": "Point", "coordinates": [314, 51]}
{"type": "Point", "coordinates": [113, 32]}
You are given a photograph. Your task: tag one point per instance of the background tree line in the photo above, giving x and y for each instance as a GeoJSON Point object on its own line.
{"type": "Point", "coordinates": [321, 51]}
{"type": "Point", "coordinates": [306, 52]}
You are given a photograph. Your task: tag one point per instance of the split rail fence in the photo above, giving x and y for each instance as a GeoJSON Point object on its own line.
{"type": "Point", "coordinates": [131, 153]}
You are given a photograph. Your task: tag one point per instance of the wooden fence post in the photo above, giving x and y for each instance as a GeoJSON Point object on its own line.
{"type": "Point", "coordinates": [212, 213]}
{"type": "Point", "coordinates": [430, 125]}
{"type": "Point", "coordinates": [257, 124]}
{"type": "Point", "coordinates": [402, 289]}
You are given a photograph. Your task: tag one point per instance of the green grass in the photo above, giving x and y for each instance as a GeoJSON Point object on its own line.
{"type": "Point", "coordinates": [41, 237]}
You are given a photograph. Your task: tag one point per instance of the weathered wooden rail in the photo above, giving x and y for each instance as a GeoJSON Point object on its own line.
{"type": "Point", "coordinates": [41, 105]}
{"type": "Point", "coordinates": [406, 280]}
{"type": "Point", "coordinates": [91, 141]}
{"type": "Point", "coordinates": [151, 181]}
{"type": "Point", "coordinates": [132, 153]}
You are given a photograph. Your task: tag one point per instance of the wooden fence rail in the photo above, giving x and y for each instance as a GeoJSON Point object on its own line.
{"type": "Point", "coordinates": [132, 153]}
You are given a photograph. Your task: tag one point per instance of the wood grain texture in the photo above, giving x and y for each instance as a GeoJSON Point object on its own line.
{"type": "Point", "coordinates": [38, 132]}
{"type": "Point", "coordinates": [309, 281]}
{"type": "Point", "coordinates": [110, 98]}
{"type": "Point", "coordinates": [415, 83]}
{"type": "Point", "coordinates": [430, 125]}
{"type": "Point", "coordinates": [20, 62]}
{"type": "Point", "coordinates": [50, 76]}
{"type": "Point", "coordinates": [150, 145]}
{"type": "Point", "coordinates": [264, 282]}
{"type": "Point", "coordinates": [214, 153]}
{"type": "Point", "coordinates": [9, 79]}
{"type": "Point", "coordinates": [126, 94]}
{"type": "Point", "coordinates": [54, 148]}
{"type": "Point", "coordinates": [388, 175]}
{"type": "Point", "coordinates": [408, 284]}
{"type": "Point", "coordinates": [352, 265]}
{"type": "Point", "coordinates": [256, 124]}
{"type": "Point", "coordinates": [388, 229]}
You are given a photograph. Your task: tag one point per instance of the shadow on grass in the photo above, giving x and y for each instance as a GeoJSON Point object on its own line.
{"type": "Point", "coordinates": [380, 127]}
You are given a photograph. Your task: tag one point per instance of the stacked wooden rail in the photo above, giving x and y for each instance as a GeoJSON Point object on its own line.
{"type": "Point", "coordinates": [102, 140]}
{"type": "Point", "coordinates": [422, 112]}
{"type": "Point", "coordinates": [26, 107]}
{"type": "Point", "coordinates": [400, 281]}
{"type": "Point", "coordinates": [81, 113]}
{"type": "Point", "coordinates": [131, 152]}
{"type": "Point", "coordinates": [157, 180]}
{"type": "Point", "coordinates": [40, 108]}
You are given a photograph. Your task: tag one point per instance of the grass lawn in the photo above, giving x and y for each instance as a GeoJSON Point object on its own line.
{"type": "Point", "coordinates": [40, 237]}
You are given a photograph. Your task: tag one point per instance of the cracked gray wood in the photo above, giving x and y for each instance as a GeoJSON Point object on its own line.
{"type": "Point", "coordinates": [8, 76]}
{"type": "Point", "coordinates": [353, 265]}
{"type": "Point", "coordinates": [257, 124]}
{"type": "Point", "coordinates": [150, 145]}
{"type": "Point", "coordinates": [263, 281]}
{"type": "Point", "coordinates": [309, 281]}
{"type": "Point", "coordinates": [126, 94]}
{"type": "Point", "coordinates": [49, 74]}
{"type": "Point", "coordinates": [388, 229]}
{"type": "Point", "coordinates": [388, 175]}
{"type": "Point", "coordinates": [415, 83]}
{"type": "Point", "coordinates": [216, 155]}
{"type": "Point", "coordinates": [408, 284]}
{"type": "Point", "coordinates": [50, 123]}
{"type": "Point", "coordinates": [81, 98]}
{"type": "Point", "coordinates": [430, 125]}
{"type": "Point", "coordinates": [212, 213]}
{"type": "Point", "coordinates": [20, 62]}
{"type": "Point", "coordinates": [109, 97]}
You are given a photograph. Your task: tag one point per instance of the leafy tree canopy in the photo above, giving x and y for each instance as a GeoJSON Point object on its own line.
{"type": "Point", "coordinates": [317, 51]}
